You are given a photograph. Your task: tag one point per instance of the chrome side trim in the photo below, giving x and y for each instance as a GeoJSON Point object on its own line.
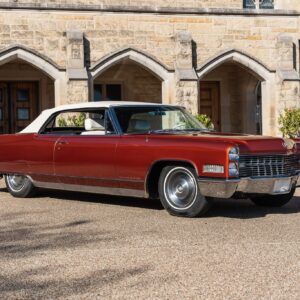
{"type": "Point", "coordinates": [84, 177]}
{"type": "Point", "coordinates": [90, 189]}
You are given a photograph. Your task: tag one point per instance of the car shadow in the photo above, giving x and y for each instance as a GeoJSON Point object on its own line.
{"type": "Point", "coordinates": [104, 199]}
{"type": "Point", "coordinates": [227, 208]}
{"type": "Point", "coordinates": [245, 209]}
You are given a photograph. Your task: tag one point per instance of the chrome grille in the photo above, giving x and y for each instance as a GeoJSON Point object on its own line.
{"type": "Point", "coordinates": [267, 165]}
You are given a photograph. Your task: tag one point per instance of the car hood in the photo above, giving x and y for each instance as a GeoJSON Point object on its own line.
{"type": "Point", "coordinates": [248, 144]}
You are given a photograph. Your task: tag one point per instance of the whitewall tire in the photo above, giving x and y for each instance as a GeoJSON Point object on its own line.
{"type": "Point", "coordinates": [19, 186]}
{"type": "Point", "coordinates": [179, 192]}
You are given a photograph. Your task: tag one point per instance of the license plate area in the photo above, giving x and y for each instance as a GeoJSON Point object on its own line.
{"type": "Point", "coordinates": [282, 186]}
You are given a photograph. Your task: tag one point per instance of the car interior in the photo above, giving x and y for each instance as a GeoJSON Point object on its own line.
{"type": "Point", "coordinates": [87, 122]}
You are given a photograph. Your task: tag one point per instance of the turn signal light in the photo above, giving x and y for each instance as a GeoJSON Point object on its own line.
{"type": "Point", "coordinates": [213, 169]}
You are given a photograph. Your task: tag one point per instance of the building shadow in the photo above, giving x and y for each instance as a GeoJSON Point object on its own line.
{"type": "Point", "coordinates": [28, 235]}
{"type": "Point", "coordinates": [21, 237]}
{"type": "Point", "coordinates": [29, 282]}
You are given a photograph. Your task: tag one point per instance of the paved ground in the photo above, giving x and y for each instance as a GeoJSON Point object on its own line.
{"type": "Point", "coordinates": [80, 246]}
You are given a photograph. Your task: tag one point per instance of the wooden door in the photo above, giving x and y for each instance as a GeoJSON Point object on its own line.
{"type": "Point", "coordinates": [4, 111]}
{"type": "Point", "coordinates": [24, 104]}
{"type": "Point", "coordinates": [18, 105]}
{"type": "Point", "coordinates": [210, 101]}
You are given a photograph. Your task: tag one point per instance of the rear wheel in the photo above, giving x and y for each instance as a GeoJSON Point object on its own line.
{"type": "Point", "coordinates": [179, 192]}
{"type": "Point", "coordinates": [273, 200]}
{"type": "Point", "coordinates": [19, 186]}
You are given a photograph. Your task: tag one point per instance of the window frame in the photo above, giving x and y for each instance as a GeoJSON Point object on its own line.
{"type": "Point", "coordinates": [107, 114]}
{"type": "Point", "coordinates": [104, 85]}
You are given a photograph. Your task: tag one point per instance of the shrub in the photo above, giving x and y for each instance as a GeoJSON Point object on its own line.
{"type": "Point", "coordinates": [289, 122]}
{"type": "Point", "coordinates": [72, 121]}
{"type": "Point", "coordinates": [205, 120]}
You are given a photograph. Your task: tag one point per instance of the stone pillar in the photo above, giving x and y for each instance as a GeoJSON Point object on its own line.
{"type": "Point", "coordinates": [288, 92]}
{"type": "Point", "coordinates": [77, 87]}
{"type": "Point", "coordinates": [285, 54]}
{"type": "Point", "coordinates": [186, 78]}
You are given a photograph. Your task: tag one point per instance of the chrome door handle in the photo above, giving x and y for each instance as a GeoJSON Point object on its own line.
{"type": "Point", "coordinates": [62, 142]}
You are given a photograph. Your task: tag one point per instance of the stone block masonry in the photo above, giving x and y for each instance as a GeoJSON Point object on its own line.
{"type": "Point", "coordinates": [172, 45]}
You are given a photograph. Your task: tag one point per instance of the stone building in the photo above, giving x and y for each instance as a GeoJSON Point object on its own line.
{"type": "Point", "coordinates": [235, 60]}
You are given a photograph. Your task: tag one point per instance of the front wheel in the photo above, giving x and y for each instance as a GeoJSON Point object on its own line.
{"type": "Point", "coordinates": [179, 192]}
{"type": "Point", "coordinates": [273, 200]}
{"type": "Point", "coordinates": [19, 186]}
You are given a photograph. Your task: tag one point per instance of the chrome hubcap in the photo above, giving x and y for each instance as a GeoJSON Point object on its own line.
{"type": "Point", "coordinates": [180, 188]}
{"type": "Point", "coordinates": [16, 182]}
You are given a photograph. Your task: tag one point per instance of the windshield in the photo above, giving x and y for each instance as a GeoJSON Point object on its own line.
{"type": "Point", "coordinates": [139, 119]}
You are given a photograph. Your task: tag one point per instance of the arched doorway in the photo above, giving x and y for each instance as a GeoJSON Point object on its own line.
{"type": "Point", "coordinates": [130, 75]}
{"type": "Point", "coordinates": [27, 86]}
{"type": "Point", "coordinates": [127, 81]}
{"type": "Point", "coordinates": [235, 93]}
{"type": "Point", "coordinates": [24, 92]}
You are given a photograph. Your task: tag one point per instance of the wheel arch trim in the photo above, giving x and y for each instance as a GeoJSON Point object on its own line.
{"type": "Point", "coordinates": [163, 161]}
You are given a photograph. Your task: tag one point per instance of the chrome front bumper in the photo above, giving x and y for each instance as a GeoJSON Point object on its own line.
{"type": "Point", "coordinates": [226, 188]}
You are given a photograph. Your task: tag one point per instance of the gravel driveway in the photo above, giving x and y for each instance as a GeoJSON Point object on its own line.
{"type": "Point", "coordinates": [79, 246]}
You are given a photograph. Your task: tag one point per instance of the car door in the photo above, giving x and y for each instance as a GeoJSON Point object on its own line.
{"type": "Point", "coordinates": [40, 152]}
{"type": "Point", "coordinates": [86, 160]}
{"type": "Point", "coordinates": [29, 154]}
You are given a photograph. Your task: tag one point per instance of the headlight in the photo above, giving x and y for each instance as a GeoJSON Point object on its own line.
{"type": "Point", "coordinates": [233, 157]}
{"type": "Point", "coordinates": [234, 154]}
{"type": "Point", "coordinates": [233, 169]}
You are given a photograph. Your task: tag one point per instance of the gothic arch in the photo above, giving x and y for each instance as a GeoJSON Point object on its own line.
{"type": "Point", "coordinates": [145, 60]}
{"type": "Point", "coordinates": [252, 64]}
{"type": "Point", "coordinates": [32, 57]}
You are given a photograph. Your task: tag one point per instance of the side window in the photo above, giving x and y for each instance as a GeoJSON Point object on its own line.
{"type": "Point", "coordinates": [70, 120]}
{"type": "Point", "coordinates": [85, 122]}
{"type": "Point", "coordinates": [67, 122]}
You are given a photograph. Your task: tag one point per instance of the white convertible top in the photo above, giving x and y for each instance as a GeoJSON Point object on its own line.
{"type": "Point", "coordinates": [36, 125]}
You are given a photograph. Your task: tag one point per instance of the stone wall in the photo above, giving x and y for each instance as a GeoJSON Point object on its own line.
{"type": "Point", "coordinates": [267, 39]}
{"type": "Point", "coordinates": [287, 4]}
{"type": "Point", "coordinates": [124, 4]}
{"type": "Point", "coordinates": [139, 3]}
{"type": "Point", "coordinates": [45, 32]}
{"type": "Point", "coordinates": [77, 91]}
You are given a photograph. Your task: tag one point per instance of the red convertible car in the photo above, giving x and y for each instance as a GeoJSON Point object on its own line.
{"type": "Point", "coordinates": [147, 150]}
